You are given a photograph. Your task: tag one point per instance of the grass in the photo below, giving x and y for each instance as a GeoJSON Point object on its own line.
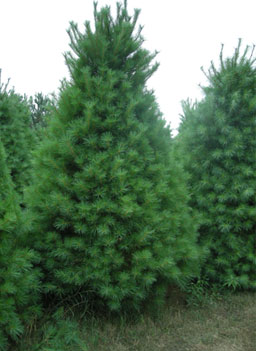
{"type": "Point", "coordinates": [222, 323]}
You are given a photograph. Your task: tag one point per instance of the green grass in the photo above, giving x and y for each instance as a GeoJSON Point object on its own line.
{"type": "Point", "coordinates": [219, 323]}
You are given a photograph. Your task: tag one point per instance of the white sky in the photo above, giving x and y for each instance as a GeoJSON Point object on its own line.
{"type": "Point", "coordinates": [188, 34]}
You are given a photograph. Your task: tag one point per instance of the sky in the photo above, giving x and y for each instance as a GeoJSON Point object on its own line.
{"type": "Point", "coordinates": [187, 33]}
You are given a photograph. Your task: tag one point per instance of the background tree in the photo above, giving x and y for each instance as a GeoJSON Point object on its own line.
{"type": "Point", "coordinates": [18, 282]}
{"type": "Point", "coordinates": [40, 106]}
{"type": "Point", "coordinates": [16, 135]}
{"type": "Point", "coordinates": [109, 202]}
{"type": "Point", "coordinates": [218, 148]}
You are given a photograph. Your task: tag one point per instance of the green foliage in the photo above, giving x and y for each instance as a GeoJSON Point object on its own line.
{"type": "Point", "coordinates": [108, 200]}
{"type": "Point", "coordinates": [218, 147]}
{"type": "Point", "coordinates": [56, 332]}
{"type": "Point", "coordinates": [16, 135]}
{"type": "Point", "coordinates": [201, 292]}
{"type": "Point", "coordinates": [40, 107]}
{"type": "Point", "coordinates": [18, 283]}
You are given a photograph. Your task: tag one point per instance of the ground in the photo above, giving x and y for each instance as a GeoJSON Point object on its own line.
{"type": "Point", "coordinates": [210, 323]}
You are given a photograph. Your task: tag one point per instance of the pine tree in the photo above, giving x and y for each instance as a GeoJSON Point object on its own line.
{"type": "Point", "coordinates": [16, 135]}
{"type": "Point", "coordinates": [40, 107]}
{"type": "Point", "coordinates": [109, 201]}
{"type": "Point", "coordinates": [218, 147]}
{"type": "Point", "coordinates": [18, 282]}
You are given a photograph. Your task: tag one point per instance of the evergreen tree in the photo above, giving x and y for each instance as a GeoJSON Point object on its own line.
{"type": "Point", "coordinates": [108, 199]}
{"type": "Point", "coordinates": [218, 147]}
{"type": "Point", "coordinates": [18, 282]}
{"type": "Point", "coordinates": [40, 106]}
{"type": "Point", "coordinates": [16, 135]}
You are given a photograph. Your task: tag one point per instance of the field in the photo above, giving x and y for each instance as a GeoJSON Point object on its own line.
{"type": "Point", "coordinates": [219, 323]}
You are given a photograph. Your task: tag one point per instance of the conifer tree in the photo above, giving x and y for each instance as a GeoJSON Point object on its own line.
{"type": "Point", "coordinates": [108, 200]}
{"type": "Point", "coordinates": [40, 106]}
{"type": "Point", "coordinates": [18, 282]}
{"type": "Point", "coordinates": [16, 135]}
{"type": "Point", "coordinates": [218, 147]}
